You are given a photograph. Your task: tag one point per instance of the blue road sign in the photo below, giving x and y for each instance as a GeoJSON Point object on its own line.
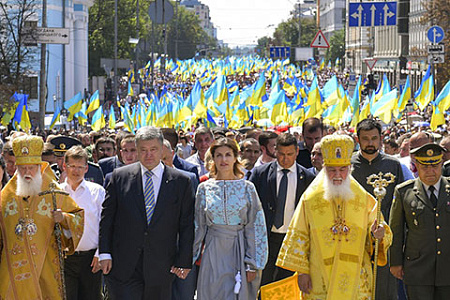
{"type": "Point", "coordinates": [372, 14]}
{"type": "Point", "coordinates": [435, 34]}
{"type": "Point", "coordinates": [281, 52]}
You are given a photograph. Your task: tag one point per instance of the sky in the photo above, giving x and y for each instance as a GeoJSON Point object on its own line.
{"type": "Point", "coordinates": [243, 22]}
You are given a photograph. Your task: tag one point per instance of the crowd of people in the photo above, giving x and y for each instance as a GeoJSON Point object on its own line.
{"type": "Point", "coordinates": [225, 214]}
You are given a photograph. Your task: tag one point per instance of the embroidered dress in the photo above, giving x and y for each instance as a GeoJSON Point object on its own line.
{"type": "Point", "coordinates": [29, 265]}
{"type": "Point", "coordinates": [337, 257]}
{"type": "Point", "coordinates": [230, 221]}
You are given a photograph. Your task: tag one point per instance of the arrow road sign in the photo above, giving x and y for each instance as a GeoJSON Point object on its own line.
{"type": "Point", "coordinates": [280, 52]}
{"type": "Point", "coordinates": [372, 14]}
{"type": "Point", "coordinates": [320, 41]}
{"type": "Point", "coordinates": [435, 34]}
{"type": "Point", "coordinates": [45, 35]}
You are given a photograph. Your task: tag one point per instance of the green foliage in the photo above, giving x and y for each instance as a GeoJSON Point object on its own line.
{"type": "Point", "coordinates": [101, 33]}
{"type": "Point", "coordinates": [337, 46]}
{"type": "Point", "coordinates": [286, 33]}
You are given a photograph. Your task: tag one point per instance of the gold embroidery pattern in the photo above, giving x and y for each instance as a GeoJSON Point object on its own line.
{"type": "Point", "coordinates": [364, 286]}
{"type": "Point", "coordinates": [44, 209]}
{"type": "Point", "coordinates": [357, 205]}
{"type": "Point", "coordinates": [16, 249]}
{"type": "Point", "coordinates": [23, 276]}
{"type": "Point", "coordinates": [295, 254]}
{"type": "Point", "coordinates": [11, 208]}
{"type": "Point", "coordinates": [34, 249]}
{"type": "Point", "coordinates": [343, 282]}
{"type": "Point", "coordinates": [20, 263]}
{"type": "Point", "coordinates": [320, 206]}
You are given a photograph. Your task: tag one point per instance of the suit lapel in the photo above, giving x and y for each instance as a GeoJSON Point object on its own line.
{"type": "Point", "coordinates": [300, 184]}
{"type": "Point", "coordinates": [272, 181]}
{"type": "Point", "coordinates": [164, 191]}
{"type": "Point", "coordinates": [444, 191]}
{"type": "Point", "coordinates": [136, 186]}
{"type": "Point", "coordinates": [421, 193]}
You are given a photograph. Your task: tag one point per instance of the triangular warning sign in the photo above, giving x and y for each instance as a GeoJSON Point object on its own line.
{"type": "Point", "coordinates": [370, 62]}
{"type": "Point", "coordinates": [320, 41]}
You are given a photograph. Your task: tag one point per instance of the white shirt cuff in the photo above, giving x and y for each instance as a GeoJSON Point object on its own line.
{"type": "Point", "coordinates": [105, 256]}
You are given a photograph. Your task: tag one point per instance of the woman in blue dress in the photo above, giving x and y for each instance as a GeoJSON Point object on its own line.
{"type": "Point", "coordinates": [229, 220]}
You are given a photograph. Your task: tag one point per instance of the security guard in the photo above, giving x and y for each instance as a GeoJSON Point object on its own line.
{"type": "Point", "coordinates": [419, 254]}
{"type": "Point", "coordinates": [64, 143]}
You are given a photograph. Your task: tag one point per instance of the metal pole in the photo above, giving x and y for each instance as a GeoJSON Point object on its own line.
{"type": "Point", "coordinates": [176, 30]}
{"type": "Point", "coordinates": [43, 72]}
{"type": "Point", "coordinates": [115, 51]}
{"type": "Point", "coordinates": [299, 23]}
{"type": "Point", "coordinates": [163, 61]}
{"type": "Point", "coordinates": [136, 64]}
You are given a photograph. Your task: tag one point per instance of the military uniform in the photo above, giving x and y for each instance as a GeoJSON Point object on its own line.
{"type": "Point", "coordinates": [64, 143]}
{"type": "Point", "coordinates": [424, 247]}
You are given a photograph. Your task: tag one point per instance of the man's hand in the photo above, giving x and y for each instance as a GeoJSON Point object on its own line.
{"type": "Point", "coordinates": [95, 264]}
{"type": "Point", "coordinates": [305, 283]}
{"type": "Point", "coordinates": [397, 271]}
{"type": "Point", "coordinates": [58, 216]}
{"type": "Point", "coordinates": [180, 272]}
{"type": "Point", "coordinates": [106, 266]}
{"type": "Point", "coordinates": [251, 276]}
{"type": "Point", "coordinates": [378, 232]}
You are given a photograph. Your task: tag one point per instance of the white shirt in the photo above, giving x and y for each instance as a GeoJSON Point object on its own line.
{"type": "Point", "coordinates": [289, 207]}
{"type": "Point", "coordinates": [89, 196]}
{"type": "Point", "coordinates": [200, 164]}
{"type": "Point", "coordinates": [437, 186]}
{"type": "Point", "coordinates": [156, 178]}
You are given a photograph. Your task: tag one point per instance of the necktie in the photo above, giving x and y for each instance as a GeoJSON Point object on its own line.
{"type": "Point", "coordinates": [282, 192]}
{"type": "Point", "coordinates": [247, 176]}
{"type": "Point", "coordinates": [149, 196]}
{"type": "Point", "coordinates": [433, 197]}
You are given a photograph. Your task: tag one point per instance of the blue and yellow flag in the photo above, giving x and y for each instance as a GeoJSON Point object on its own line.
{"type": "Point", "coordinates": [98, 120]}
{"type": "Point", "coordinates": [112, 119]}
{"type": "Point", "coordinates": [94, 102]}
{"type": "Point", "coordinates": [21, 116]}
{"type": "Point", "coordinates": [73, 105]}
{"type": "Point", "coordinates": [425, 93]}
{"type": "Point", "coordinates": [56, 116]}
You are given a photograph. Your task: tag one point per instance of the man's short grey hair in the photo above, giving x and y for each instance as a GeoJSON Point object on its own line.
{"type": "Point", "coordinates": [167, 144]}
{"type": "Point", "coordinates": [148, 133]}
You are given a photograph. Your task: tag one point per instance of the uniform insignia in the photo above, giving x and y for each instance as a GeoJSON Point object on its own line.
{"type": "Point", "coordinates": [430, 152]}
{"type": "Point", "coordinates": [62, 146]}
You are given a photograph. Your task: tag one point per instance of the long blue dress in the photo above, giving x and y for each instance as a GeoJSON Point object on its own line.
{"type": "Point", "coordinates": [230, 221]}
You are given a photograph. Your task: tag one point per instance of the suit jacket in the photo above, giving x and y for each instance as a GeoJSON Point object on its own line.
{"type": "Point", "coordinates": [108, 164]}
{"type": "Point", "coordinates": [423, 248]}
{"type": "Point", "coordinates": [265, 180]}
{"type": "Point", "coordinates": [167, 241]}
{"type": "Point", "coordinates": [182, 164]}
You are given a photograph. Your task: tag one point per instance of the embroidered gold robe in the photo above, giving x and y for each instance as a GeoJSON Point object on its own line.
{"type": "Point", "coordinates": [29, 266]}
{"type": "Point", "coordinates": [339, 269]}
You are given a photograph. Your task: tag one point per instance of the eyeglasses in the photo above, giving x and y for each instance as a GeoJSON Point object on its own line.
{"type": "Point", "coordinates": [80, 168]}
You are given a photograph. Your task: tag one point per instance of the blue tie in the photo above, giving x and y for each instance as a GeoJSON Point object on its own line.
{"type": "Point", "coordinates": [149, 196]}
{"type": "Point", "coordinates": [281, 203]}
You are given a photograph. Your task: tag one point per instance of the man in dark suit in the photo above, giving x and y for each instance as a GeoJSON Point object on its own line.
{"type": "Point", "coordinates": [147, 224]}
{"type": "Point", "coordinates": [280, 185]}
{"type": "Point", "coordinates": [419, 255]}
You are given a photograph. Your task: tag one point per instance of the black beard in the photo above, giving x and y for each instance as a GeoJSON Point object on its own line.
{"type": "Point", "coordinates": [370, 151]}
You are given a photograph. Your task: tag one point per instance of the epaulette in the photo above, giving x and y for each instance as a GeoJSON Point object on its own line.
{"type": "Point", "coordinates": [405, 183]}
{"type": "Point", "coordinates": [94, 165]}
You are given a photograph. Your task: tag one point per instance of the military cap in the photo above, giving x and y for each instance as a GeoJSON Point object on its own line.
{"type": "Point", "coordinates": [63, 143]}
{"type": "Point", "coordinates": [428, 154]}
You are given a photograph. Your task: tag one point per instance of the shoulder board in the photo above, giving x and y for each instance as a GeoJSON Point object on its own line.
{"type": "Point", "coordinates": [405, 183]}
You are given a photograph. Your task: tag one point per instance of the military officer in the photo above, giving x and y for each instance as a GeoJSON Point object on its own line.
{"type": "Point", "coordinates": [419, 254]}
{"type": "Point", "coordinates": [64, 143]}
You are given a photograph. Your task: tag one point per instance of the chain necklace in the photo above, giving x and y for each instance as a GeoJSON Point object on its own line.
{"type": "Point", "coordinates": [339, 228]}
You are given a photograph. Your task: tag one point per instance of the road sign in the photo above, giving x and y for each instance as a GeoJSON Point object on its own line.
{"type": "Point", "coordinates": [370, 62]}
{"type": "Point", "coordinates": [320, 41]}
{"type": "Point", "coordinates": [372, 14]}
{"type": "Point", "coordinates": [45, 35]}
{"type": "Point", "coordinates": [436, 59]}
{"type": "Point", "coordinates": [280, 52]}
{"type": "Point", "coordinates": [435, 34]}
{"type": "Point", "coordinates": [156, 10]}
{"type": "Point", "coordinates": [436, 49]}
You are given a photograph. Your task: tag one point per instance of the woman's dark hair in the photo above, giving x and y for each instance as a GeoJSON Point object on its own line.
{"type": "Point", "coordinates": [5, 177]}
{"type": "Point", "coordinates": [230, 143]}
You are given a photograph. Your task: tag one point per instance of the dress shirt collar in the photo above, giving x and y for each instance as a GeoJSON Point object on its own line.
{"type": "Point", "coordinates": [437, 186]}
{"type": "Point", "coordinates": [81, 185]}
{"type": "Point", "coordinates": [292, 168]}
{"type": "Point", "coordinates": [157, 171]}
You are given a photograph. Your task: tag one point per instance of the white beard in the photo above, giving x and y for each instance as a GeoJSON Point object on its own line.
{"type": "Point", "coordinates": [333, 191]}
{"type": "Point", "coordinates": [27, 187]}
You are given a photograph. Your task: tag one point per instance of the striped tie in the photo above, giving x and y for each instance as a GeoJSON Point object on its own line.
{"type": "Point", "coordinates": [149, 196]}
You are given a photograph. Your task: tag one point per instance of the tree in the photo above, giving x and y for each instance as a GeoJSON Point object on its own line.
{"type": "Point", "coordinates": [337, 46]}
{"type": "Point", "coordinates": [15, 57]}
{"type": "Point", "coordinates": [437, 12]}
{"type": "Point", "coordinates": [101, 33]}
{"type": "Point", "coordinates": [262, 48]}
{"type": "Point", "coordinates": [286, 33]}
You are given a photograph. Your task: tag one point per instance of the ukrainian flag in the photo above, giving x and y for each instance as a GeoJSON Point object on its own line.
{"type": "Point", "coordinates": [425, 93]}
{"type": "Point", "coordinates": [98, 120]}
{"type": "Point", "coordinates": [112, 119]}
{"type": "Point", "coordinates": [73, 105]}
{"type": "Point", "coordinates": [94, 102]}
{"type": "Point", "coordinates": [56, 116]}
{"type": "Point", "coordinates": [21, 116]}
